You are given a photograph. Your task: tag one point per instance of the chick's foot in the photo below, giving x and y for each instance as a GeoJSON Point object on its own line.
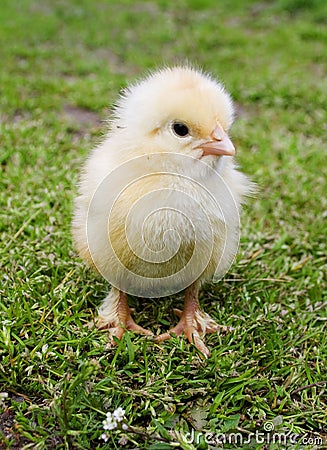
{"type": "Point", "coordinates": [193, 322]}
{"type": "Point", "coordinates": [115, 315]}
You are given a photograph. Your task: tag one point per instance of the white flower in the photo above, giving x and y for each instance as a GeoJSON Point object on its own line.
{"type": "Point", "coordinates": [112, 419]}
{"type": "Point", "coordinates": [110, 423]}
{"type": "Point", "coordinates": [124, 426]}
{"type": "Point", "coordinates": [3, 396]}
{"type": "Point", "coordinates": [104, 436]}
{"type": "Point", "coordinates": [119, 414]}
{"type": "Point", "coordinates": [44, 348]}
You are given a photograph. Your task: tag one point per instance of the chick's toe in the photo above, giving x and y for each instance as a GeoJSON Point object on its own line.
{"type": "Point", "coordinates": [115, 315]}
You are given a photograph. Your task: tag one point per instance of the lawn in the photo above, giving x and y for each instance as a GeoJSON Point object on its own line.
{"type": "Point", "coordinates": [62, 65]}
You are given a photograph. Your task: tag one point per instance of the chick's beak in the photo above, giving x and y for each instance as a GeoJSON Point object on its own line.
{"type": "Point", "coordinates": [219, 145]}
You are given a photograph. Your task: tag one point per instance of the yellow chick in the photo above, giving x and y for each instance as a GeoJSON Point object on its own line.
{"type": "Point", "coordinates": [159, 199]}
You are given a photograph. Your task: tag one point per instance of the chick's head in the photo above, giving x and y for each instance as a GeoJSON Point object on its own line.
{"type": "Point", "coordinates": [179, 110]}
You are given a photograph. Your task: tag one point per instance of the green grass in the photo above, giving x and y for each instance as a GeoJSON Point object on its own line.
{"type": "Point", "coordinates": [62, 64]}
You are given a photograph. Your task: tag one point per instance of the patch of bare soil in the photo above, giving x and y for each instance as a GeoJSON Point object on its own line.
{"type": "Point", "coordinates": [8, 433]}
{"type": "Point", "coordinates": [82, 116]}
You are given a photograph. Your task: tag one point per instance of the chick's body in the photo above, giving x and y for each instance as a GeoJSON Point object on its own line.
{"type": "Point", "coordinates": [159, 198]}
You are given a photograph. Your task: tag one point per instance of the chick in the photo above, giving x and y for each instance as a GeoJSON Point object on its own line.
{"type": "Point", "coordinates": [159, 199]}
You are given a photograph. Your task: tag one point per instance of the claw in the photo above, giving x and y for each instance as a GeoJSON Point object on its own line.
{"type": "Point", "coordinates": [133, 326]}
{"type": "Point", "coordinates": [193, 322]}
{"type": "Point", "coordinates": [191, 333]}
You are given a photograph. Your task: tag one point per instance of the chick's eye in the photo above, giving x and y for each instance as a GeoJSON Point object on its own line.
{"type": "Point", "coordinates": [180, 129]}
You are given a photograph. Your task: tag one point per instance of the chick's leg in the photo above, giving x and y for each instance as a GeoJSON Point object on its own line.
{"type": "Point", "coordinates": [193, 322]}
{"type": "Point", "coordinates": [115, 315]}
